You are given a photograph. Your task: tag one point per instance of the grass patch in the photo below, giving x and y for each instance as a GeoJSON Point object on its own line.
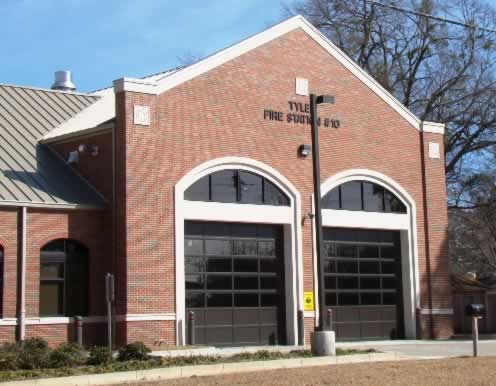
{"type": "Point", "coordinates": [162, 362]}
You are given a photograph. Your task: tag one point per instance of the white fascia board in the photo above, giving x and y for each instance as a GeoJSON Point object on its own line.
{"type": "Point", "coordinates": [142, 86]}
{"type": "Point", "coordinates": [433, 127]}
{"type": "Point", "coordinates": [214, 211]}
{"type": "Point", "coordinates": [359, 219]}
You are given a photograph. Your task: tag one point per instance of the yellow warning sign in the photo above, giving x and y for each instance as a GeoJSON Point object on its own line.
{"type": "Point", "coordinates": [308, 301]}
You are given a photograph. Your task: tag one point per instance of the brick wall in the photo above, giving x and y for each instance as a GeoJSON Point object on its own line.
{"type": "Point", "coordinates": [220, 113]}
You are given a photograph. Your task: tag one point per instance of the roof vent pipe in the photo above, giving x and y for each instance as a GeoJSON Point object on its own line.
{"type": "Point", "coordinates": [63, 81]}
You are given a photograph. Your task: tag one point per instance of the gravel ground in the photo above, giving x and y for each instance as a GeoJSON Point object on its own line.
{"type": "Point", "coordinates": [452, 372]}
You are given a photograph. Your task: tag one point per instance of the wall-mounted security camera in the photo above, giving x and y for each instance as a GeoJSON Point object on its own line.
{"type": "Point", "coordinates": [73, 158]}
{"type": "Point", "coordinates": [89, 149]}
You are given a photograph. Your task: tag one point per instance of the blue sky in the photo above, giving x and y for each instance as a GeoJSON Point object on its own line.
{"type": "Point", "coordinates": [103, 40]}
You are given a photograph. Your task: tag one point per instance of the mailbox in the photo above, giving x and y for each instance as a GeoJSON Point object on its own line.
{"type": "Point", "coordinates": [475, 310]}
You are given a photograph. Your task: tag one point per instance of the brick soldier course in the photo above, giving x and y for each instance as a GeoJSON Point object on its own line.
{"type": "Point", "coordinates": [217, 114]}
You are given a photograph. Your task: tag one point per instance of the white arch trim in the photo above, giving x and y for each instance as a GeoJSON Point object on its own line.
{"type": "Point", "coordinates": [405, 223]}
{"type": "Point", "coordinates": [288, 216]}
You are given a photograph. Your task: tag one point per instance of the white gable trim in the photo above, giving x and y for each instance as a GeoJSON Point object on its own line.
{"type": "Point", "coordinates": [221, 57]}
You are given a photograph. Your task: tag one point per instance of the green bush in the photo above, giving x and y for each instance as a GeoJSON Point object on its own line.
{"type": "Point", "coordinates": [9, 356]}
{"type": "Point", "coordinates": [100, 356]}
{"type": "Point", "coordinates": [34, 354]}
{"type": "Point", "coordinates": [67, 355]}
{"type": "Point", "coordinates": [136, 351]}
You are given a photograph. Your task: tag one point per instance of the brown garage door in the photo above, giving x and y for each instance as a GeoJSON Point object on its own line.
{"type": "Point", "coordinates": [362, 273]}
{"type": "Point", "coordinates": [234, 283]}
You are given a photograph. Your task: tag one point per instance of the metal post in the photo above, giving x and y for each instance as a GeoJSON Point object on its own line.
{"type": "Point", "coordinates": [301, 328]}
{"type": "Point", "coordinates": [318, 209]}
{"type": "Point", "coordinates": [110, 294]}
{"type": "Point", "coordinates": [191, 328]}
{"type": "Point", "coordinates": [79, 330]}
{"type": "Point", "coordinates": [475, 335]}
{"type": "Point", "coordinates": [329, 319]}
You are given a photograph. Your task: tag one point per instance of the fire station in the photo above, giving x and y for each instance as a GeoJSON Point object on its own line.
{"type": "Point", "coordinates": [193, 187]}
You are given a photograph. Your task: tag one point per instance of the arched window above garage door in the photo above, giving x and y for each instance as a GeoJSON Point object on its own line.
{"type": "Point", "coordinates": [63, 278]}
{"type": "Point", "coordinates": [236, 186]}
{"type": "Point", "coordinates": [363, 195]}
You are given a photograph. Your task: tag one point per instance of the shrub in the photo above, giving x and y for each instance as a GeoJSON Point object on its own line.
{"type": "Point", "coordinates": [34, 354]}
{"type": "Point", "coordinates": [9, 356]}
{"type": "Point", "coordinates": [137, 351]}
{"type": "Point", "coordinates": [100, 356]}
{"type": "Point", "coordinates": [67, 355]}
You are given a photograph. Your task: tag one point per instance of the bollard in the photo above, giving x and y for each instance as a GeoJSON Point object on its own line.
{"type": "Point", "coordinates": [79, 330]}
{"type": "Point", "coordinates": [475, 335]}
{"type": "Point", "coordinates": [191, 328]}
{"type": "Point", "coordinates": [301, 328]}
{"type": "Point", "coordinates": [329, 319]}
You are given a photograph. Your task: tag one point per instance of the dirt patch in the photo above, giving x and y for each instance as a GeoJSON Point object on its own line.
{"type": "Point", "coordinates": [452, 372]}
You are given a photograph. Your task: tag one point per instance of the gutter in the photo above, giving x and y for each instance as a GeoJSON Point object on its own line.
{"type": "Point", "coordinates": [22, 277]}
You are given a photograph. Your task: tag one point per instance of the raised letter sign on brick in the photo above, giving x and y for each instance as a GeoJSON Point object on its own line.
{"type": "Point", "coordinates": [301, 86]}
{"type": "Point", "coordinates": [142, 115]}
{"type": "Point", "coordinates": [434, 150]}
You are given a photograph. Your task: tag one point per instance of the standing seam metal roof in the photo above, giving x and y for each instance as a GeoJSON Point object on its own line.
{"type": "Point", "coordinates": [30, 172]}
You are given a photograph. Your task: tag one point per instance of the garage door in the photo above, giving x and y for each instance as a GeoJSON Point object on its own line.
{"type": "Point", "coordinates": [362, 273]}
{"type": "Point", "coordinates": [234, 283]}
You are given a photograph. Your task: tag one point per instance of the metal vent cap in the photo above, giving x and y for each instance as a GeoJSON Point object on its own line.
{"type": "Point", "coordinates": [63, 81]}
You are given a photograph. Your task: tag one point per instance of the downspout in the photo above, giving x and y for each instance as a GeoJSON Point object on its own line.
{"type": "Point", "coordinates": [22, 278]}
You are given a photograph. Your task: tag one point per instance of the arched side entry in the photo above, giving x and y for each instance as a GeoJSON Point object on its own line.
{"type": "Point", "coordinates": [366, 235]}
{"type": "Point", "coordinates": [195, 210]}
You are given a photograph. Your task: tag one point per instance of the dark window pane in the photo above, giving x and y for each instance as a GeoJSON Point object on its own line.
{"type": "Point", "coordinates": [193, 247]}
{"type": "Point", "coordinates": [76, 287]}
{"type": "Point", "coordinates": [373, 196]}
{"type": "Point", "coordinates": [369, 299]}
{"type": "Point", "coordinates": [219, 300]}
{"type": "Point", "coordinates": [368, 251]}
{"type": "Point", "coordinates": [330, 266]}
{"type": "Point", "coordinates": [393, 204]}
{"type": "Point", "coordinates": [245, 282]}
{"type": "Point", "coordinates": [370, 283]}
{"type": "Point", "coordinates": [331, 199]}
{"type": "Point", "coordinates": [194, 282]}
{"type": "Point", "coordinates": [51, 299]}
{"type": "Point", "coordinates": [348, 299]}
{"type": "Point", "coordinates": [269, 282]}
{"type": "Point", "coordinates": [218, 229]}
{"type": "Point", "coordinates": [54, 246]}
{"type": "Point", "coordinates": [330, 299]}
{"type": "Point", "coordinates": [218, 247]}
{"type": "Point", "coordinates": [193, 228]}
{"type": "Point", "coordinates": [199, 191]}
{"type": "Point", "coordinates": [246, 300]}
{"type": "Point", "coordinates": [389, 282]}
{"type": "Point", "coordinates": [194, 264]}
{"type": "Point", "coordinates": [245, 247]}
{"type": "Point", "coordinates": [219, 282]}
{"type": "Point", "coordinates": [369, 267]}
{"type": "Point", "coordinates": [347, 282]}
{"type": "Point", "coordinates": [330, 282]}
{"type": "Point", "coordinates": [270, 300]}
{"type": "Point", "coordinates": [388, 267]}
{"type": "Point", "coordinates": [388, 298]}
{"type": "Point", "coordinates": [195, 300]}
{"type": "Point", "coordinates": [268, 231]}
{"type": "Point", "coordinates": [245, 265]}
{"type": "Point", "coordinates": [268, 265]}
{"type": "Point", "coordinates": [266, 248]}
{"type": "Point", "coordinates": [224, 186]}
{"type": "Point", "coordinates": [330, 250]}
{"type": "Point", "coordinates": [75, 249]}
{"type": "Point", "coordinates": [273, 195]}
{"type": "Point", "coordinates": [251, 188]}
{"type": "Point", "coordinates": [347, 267]}
{"type": "Point", "coordinates": [52, 271]}
{"type": "Point", "coordinates": [390, 252]}
{"type": "Point", "coordinates": [351, 195]}
{"type": "Point", "coordinates": [346, 251]}
{"type": "Point", "coordinates": [218, 265]}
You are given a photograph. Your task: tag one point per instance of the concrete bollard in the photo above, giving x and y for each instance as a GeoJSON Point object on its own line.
{"type": "Point", "coordinates": [323, 343]}
{"type": "Point", "coordinates": [79, 329]}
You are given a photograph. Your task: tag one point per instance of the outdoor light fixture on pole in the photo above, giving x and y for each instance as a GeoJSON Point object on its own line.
{"type": "Point", "coordinates": [323, 341]}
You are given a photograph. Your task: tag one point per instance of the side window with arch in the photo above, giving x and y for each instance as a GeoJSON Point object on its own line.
{"type": "Point", "coordinates": [63, 278]}
{"type": "Point", "coordinates": [236, 186]}
{"type": "Point", "coordinates": [363, 195]}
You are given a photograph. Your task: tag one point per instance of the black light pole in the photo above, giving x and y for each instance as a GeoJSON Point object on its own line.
{"type": "Point", "coordinates": [314, 101]}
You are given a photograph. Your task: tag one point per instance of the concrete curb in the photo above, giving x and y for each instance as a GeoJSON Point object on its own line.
{"type": "Point", "coordinates": [202, 370]}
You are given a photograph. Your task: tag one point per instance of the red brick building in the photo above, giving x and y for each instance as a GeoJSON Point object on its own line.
{"type": "Point", "coordinates": [190, 187]}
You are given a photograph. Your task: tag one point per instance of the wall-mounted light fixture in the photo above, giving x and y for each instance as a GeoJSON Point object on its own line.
{"type": "Point", "coordinates": [90, 149]}
{"type": "Point", "coordinates": [304, 150]}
